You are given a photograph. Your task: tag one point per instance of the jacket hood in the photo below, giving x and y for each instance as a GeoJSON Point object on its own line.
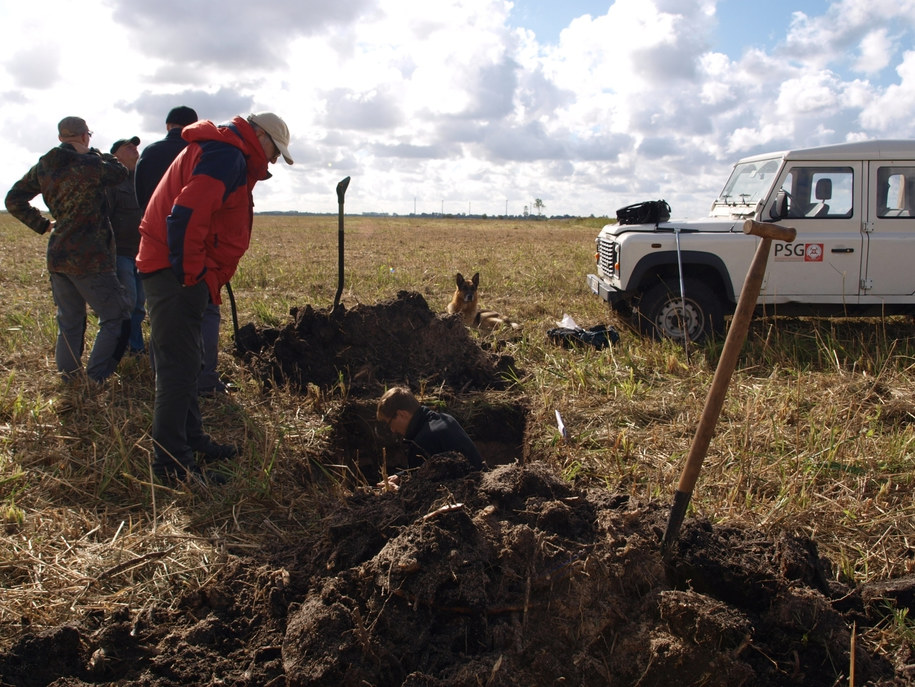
{"type": "Point", "coordinates": [237, 133]}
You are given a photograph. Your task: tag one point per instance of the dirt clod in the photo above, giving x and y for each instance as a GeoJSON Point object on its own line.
{"type": "Point", "coordinates": [396, 341]}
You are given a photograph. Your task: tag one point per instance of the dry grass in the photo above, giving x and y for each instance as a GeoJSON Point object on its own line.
{"type": "Point", "coordinates": [815, 438]}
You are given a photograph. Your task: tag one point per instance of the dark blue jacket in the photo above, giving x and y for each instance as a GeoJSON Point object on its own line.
{"type": "Point", "coordinates": [430, 433]}
{"type": "Point", "coordinates": [154, 160]}
{"type": "Point", "coordinates": [125, 215]}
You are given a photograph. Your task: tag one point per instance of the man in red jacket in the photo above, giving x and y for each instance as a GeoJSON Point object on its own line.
{"type": "Point", "coordinates": [195, 230]}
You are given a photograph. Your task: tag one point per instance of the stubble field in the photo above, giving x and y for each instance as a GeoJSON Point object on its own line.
{"type": "Point", "coordinates": [815, 439]}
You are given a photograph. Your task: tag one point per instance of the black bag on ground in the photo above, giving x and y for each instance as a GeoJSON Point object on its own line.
{"type": "Point", "coordinates": [600, 336]}
{"type": "Point", "coordinates": [648, 212]}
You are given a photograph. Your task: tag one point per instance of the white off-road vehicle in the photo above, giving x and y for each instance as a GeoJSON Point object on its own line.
{"type": "Point", "coordinates": [853, 206]}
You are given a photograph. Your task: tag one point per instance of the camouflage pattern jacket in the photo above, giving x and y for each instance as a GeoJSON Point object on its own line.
{"type": "Point", "coordinates": [73, 187]}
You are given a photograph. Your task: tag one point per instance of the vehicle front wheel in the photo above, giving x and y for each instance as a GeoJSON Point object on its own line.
{"type": "Point", "coordinates": [662, 312]}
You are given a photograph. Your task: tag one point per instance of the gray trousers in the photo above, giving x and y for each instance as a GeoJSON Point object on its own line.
{"type": "Point", "coordinates": [208, 380]}
{"type": "Point", "coordinates": [105, 295]}
{"type": "Point", "coordinates": [175, 320]}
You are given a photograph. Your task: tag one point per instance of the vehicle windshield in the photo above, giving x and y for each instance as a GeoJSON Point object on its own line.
{"type": "Point", "coordinates": [749, 182]}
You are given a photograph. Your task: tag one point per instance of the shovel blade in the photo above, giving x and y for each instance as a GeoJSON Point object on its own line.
{"type": "Point", "coordinates": [674, 520]}
{"type": "Point", "coordinates": [341, 189]}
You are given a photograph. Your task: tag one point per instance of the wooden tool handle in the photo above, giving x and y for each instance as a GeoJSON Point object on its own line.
{"type": "Point", "coordinates": [737, 334]}
{"type": "Point", "coordinates": [769, 231]}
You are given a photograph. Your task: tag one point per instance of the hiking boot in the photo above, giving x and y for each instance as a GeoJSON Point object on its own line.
{"type": "Point", "coordinates": [210, 451]}
{"type": "Point", "coordinates": [219, 389]}
{"type": "Point", "coordinates": [174, 474]}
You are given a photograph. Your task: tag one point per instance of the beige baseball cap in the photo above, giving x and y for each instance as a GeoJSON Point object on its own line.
{"type": "Point", "coordinates": [277, 130]}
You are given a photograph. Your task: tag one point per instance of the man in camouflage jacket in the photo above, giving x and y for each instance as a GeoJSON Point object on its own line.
{"type": "Point", "coordinates": [72, 179]}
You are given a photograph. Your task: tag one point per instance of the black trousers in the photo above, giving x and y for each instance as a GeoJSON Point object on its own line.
{"type": "Point", "coordinates": [175, 319]}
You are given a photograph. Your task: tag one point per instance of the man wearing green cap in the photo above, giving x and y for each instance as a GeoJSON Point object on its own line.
{"type": "Point", "coordinates": [72, 179]}
{"type": "Point", "coordinates": [194, 231]}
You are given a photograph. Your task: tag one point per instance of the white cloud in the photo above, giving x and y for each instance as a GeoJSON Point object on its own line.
{"type": "Point", "coordinates": [809, 94]}
{"type": "Point", "coordinates": [848, 27]}
{"type": "Point", "coordinates": [892, 110]}
{"type": "Point", "coordinates": [235, 34]}
{"type": "Point", "coordinates": [875, 51]}
{"type": "Point", "coordinates": [35, 67]}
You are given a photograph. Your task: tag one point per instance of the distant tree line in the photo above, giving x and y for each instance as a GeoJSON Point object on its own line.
{"type": "Point", "coordinates": [425, 215]}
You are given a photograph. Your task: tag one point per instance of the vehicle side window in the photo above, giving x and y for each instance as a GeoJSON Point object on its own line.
{"type": "Point", "coordinates": [820, 192]}
{"type": "Point", "coordinates": [895, 192]}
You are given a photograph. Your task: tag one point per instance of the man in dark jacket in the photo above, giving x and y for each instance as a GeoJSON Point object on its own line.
{"type": "Point", "coordinates": [72, 179]}
{"type": "Point", "coordinates": [157, 156]}
{"type": "Point", "coordinates": [425, 431]}
{"type": "Point", "coordinates": [195, 230]}
{"type": "Point", "coordinates": [125, 216]}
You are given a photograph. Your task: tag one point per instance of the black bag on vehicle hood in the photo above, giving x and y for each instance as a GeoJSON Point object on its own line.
{"type": "Point", "coordinates": [648, 212]}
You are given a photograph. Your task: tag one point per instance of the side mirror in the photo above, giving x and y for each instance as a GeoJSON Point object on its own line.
{"type": "Point", "coordinates": [779, 209]}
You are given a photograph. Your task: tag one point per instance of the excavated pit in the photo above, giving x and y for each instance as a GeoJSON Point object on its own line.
{"type": "Point", "coordinates": [370, 348]}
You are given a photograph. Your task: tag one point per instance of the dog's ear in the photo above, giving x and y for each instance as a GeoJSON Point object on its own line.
{"type": "Point", "coordinates": [476, 279]}
{"type": "Point", "coordinates": [459, 279]}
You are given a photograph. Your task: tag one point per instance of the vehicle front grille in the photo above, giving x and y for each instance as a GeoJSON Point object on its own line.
{"type": "Point", "coordinates": [607, 260]}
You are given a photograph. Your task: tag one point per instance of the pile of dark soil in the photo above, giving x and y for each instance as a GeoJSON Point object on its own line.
{"type": "Point", "coordinates": [400, 341]}
{"type": "Point", "coordinates": [505, 577]}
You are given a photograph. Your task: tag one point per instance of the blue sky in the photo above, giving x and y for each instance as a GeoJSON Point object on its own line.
{"type": "Point", "coordinates": [546, 19]}
{"type": "Point", "coordinates": [745, 22]}
{"type": "Point", "coordinates": [481, 104]}
{"type": "Point", "coordinates": [741, 22]}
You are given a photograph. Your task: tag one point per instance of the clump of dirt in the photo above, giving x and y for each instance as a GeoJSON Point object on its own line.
{"type": "Point", "coordinates": [509, 576]}
{"type": "Point", "coordinates": [396, 342]}
{"type": "Point", "coordinates": [512, 577]}
{"type": "Point", "coordinates": [503, 577]}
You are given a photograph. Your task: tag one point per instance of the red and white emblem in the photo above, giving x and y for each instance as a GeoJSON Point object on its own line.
{"type": "Point", "coordinates": [813, 252]}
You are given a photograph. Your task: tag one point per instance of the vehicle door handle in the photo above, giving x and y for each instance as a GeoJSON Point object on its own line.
{"type": "Point", "coordinates": [842, 250]}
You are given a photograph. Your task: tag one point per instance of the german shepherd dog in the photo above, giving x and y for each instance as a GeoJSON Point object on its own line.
{"type": "Point", "coordinates": [466, 303]}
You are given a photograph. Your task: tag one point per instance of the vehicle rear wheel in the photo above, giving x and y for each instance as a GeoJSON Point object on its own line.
{"type": "Point", "coordinates": [661, 311]}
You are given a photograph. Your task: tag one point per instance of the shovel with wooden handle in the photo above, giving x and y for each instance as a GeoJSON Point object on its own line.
{"type": "Point", "coordinates": [737, 334]}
